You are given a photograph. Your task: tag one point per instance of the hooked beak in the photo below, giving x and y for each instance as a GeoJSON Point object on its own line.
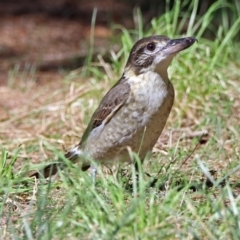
{"type": "Point", "coordinates": [177, 45]}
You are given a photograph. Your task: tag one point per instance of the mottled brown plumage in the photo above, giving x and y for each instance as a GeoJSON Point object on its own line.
{"type": "Point", "coordinates": [110, 104]}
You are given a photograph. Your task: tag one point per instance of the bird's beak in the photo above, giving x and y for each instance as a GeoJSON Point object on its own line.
{"type": "Point", "coordinates": [177, 45]}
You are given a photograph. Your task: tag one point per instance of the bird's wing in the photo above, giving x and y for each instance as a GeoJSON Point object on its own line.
{"type": "Point", "coordinates": [108, 107]}
{"type": "Point", "coordinates": [110, 104]}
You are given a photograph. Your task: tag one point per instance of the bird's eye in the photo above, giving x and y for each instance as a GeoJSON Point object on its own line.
{"type": "Point", "coordinates": [151, 46]}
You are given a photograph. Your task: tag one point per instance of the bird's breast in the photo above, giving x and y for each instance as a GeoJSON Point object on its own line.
{"type": "Point", "coordinates": [150, 95]}
{"type": "Point", "coordinates": [139, 121]}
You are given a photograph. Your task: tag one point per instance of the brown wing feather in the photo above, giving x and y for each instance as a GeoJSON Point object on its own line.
{"type": "Point", "coordinates": [109, 105]}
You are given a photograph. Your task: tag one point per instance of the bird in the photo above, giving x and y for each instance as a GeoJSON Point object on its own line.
{"type": "Point", "coordinates": [133, 113]}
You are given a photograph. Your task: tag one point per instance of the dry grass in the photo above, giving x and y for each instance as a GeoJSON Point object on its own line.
{"type": "Point", "coordinates": [56, 113]}
{"type": "Point", "coordinates": [41, 112]}
{"type": "Point", "coordinates": [57, 110]}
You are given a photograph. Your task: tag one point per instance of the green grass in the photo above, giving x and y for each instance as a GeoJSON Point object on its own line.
{"type": "Point", "coordinates": [181, 204]}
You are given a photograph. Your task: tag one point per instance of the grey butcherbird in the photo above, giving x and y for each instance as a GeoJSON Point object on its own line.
{"type": "Point", "coordinates": [134, 111]}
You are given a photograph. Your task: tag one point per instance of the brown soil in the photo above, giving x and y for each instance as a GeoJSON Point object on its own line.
{"type": "Point", "coordinates": [40, 38]}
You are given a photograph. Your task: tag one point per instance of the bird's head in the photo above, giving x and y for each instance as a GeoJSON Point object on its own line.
{"type": "Point", "coordinates": [155, 53]}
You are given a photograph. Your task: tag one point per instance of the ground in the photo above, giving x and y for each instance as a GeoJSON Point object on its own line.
{"type": "Point", "coordinates": [35, 57]}
{"type": "Point", "coordinates": [51, 82]}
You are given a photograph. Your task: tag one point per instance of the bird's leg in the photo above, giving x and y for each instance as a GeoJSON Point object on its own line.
{"type": "Point", "coordinates": [93, 171]}
{"type": "Point", "coordinates": [138, 166]}
{"type": "Point", "coordinates": [138, 169]}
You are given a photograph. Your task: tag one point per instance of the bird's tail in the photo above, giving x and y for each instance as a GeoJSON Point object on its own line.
{"type": "Point", "coordinates": [52, 168]}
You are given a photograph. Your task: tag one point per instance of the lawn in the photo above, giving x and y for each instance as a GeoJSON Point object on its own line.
{"type": "Point", "coordinates": [189, 187]}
